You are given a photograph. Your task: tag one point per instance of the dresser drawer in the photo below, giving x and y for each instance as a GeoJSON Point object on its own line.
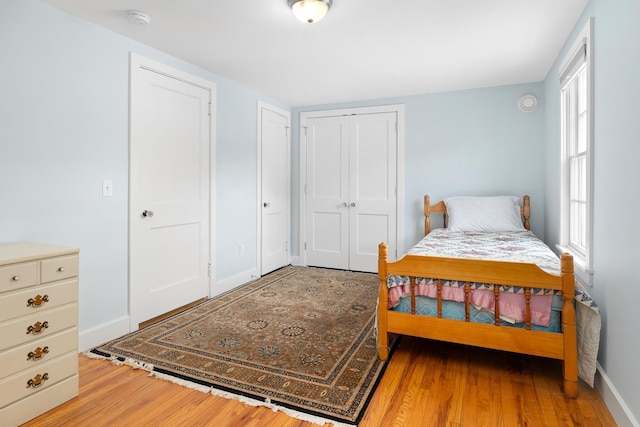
{"type": "Point", "coordinates": [30, 407]}
{"type": "Point", "coordinates": [38, 329]}
{"type": "Point", "coordinates": [58, 268]}
{"type": "Point", "coordinates": [38, 299]}
{"type": "Point", "coordinates": [16, 276]}
{"type": "Point", "coordinates": [37, 352]}
{"type": "Point", "coordinates": [16, 331]}
{"type": "Point", "coordinates": [41, 377]}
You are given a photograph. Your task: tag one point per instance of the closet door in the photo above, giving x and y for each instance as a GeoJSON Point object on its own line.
{"type": "Point", "coordinates": [372, 188]}
{"type": "Point", "coordinates": [351, 179]}
{"type": "Point", "coordinates": [327, 191]}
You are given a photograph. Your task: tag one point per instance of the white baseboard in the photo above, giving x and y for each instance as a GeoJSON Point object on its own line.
{"type": "Point", "coordinates": [102, 333]}
{"type": "Point", "coordinates": [618, 408]}
{"type": "Point", "coordinates": [224, 285]}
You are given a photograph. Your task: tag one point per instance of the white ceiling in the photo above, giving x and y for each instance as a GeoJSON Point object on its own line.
{"type": "Point", "coordinates": [363, 49]}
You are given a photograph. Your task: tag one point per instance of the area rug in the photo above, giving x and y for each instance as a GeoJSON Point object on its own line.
{"type": "Point", "coordinates": [300, 339]}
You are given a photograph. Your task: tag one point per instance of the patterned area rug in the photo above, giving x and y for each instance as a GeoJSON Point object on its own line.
{"type": "Point", "coordinates": [299, 339]}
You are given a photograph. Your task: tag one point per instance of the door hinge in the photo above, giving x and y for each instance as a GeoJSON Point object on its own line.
{"type": "Point", "coordinates": [305, 131]}
{"type": "Point", "coordinates": [305, 246]}
{"type": "Point", "coordinates": [209, 109]}
{"type": "Point", "coordinates": [209, 269]}
{"type": "Point", "coordinates": [286, 130]}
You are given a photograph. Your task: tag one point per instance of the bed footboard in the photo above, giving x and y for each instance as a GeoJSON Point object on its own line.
{"type": "Point", "coordinates": [561, 346]}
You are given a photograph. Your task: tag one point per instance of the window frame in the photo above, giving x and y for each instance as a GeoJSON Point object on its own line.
{"type": "Point", "coordinates": [580, 55]}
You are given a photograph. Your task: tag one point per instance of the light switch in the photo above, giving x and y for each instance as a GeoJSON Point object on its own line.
{"type": "Point", "coordinates": [107, 188]}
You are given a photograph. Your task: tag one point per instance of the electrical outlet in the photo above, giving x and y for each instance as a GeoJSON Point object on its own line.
{"type": "Point", "coordinates": [107, 188]}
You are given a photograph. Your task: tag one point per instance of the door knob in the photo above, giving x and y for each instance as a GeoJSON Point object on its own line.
{"type": "Point", "coordinates": [147, 214]}
{"type": "Point", "coordinates": [266, 205]}
{"type": "Point", "coordinates": [353, 204]}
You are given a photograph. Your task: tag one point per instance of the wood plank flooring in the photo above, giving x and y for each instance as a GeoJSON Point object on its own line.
{"type": "Point", "coordinates": [427, 383]}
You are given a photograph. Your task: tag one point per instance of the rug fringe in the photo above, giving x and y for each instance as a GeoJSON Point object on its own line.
{"type": "Point", "coordinates": [91, 355]}
{"type": "Point", "coordinates": [184, 383]}
{"type": "Point", "coordinates": [275, 408]}
{"type": "Point", "coordinates": [118, 362]}
{"type": "Point", "coordinates": [220, 393]}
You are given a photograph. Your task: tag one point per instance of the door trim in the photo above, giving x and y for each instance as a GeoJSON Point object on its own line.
{"type": "Point", "coordinates": [394, 108]}
{"type": "Point", "coordinates": [260, 106]}
{"type": "Point", "coordinates": [136, 63]}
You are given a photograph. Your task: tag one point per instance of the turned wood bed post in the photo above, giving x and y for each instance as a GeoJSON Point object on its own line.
{"type": "Point", "coordinates": [427, 215]}
{"type": "Point", "coordinates": [428, 210]}
{"type": "Point", "coordinates": [383, 292]}
{"type": "Point", "coordinates": [526, 211]}
{"type": "Point", "coordinates": [569, 333]}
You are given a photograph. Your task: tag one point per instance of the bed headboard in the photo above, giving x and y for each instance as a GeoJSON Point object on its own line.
{"type": "Point", "coordinates": [440, 207]}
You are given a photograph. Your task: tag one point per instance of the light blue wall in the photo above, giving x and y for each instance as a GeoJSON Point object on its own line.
{"type": "Point", "coordinates": [64, 87]}
{"type": "Point", "coordinates": [472, 142]}
{"type": "Point", "coordinates": [617, 176]}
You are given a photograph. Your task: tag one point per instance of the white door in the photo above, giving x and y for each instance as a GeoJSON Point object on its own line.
{"type": "Point", "coordinates": [351, 189]}
{"type": "Point", "coordinates": [372, 188]}
{"type": "Point", "coordinates": [327, 192]}
{"type": "Point", "coordinates": [169, 192]}
{"type": "Point", "coordinates": [274, 188]}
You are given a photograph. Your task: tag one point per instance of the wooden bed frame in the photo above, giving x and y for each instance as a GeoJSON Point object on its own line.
{"type": "Point", "coordinates": [561, 346]}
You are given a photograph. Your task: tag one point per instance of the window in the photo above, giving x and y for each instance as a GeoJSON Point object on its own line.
{"type": "Point", "coordinates": [576, 95]}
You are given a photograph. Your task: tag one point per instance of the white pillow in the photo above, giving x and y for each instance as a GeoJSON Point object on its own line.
{"type": "Point", "coordinates": [484, 214]}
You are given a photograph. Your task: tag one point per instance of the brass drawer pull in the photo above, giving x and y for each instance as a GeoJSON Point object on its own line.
{"type": "Point", "coordinates": [37, 328]}
{"type": "Point", "coordinates": [37, 301]}
{"type": "Point", "coordinates": [15, 278]}
{"type": "Point", "coordinates": [38, 380]}
{"type": "Point", "coordinates": [38, 353]}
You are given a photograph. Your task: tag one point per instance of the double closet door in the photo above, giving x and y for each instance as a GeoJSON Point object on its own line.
{"type": "Point", "coordinates": [349, 187]}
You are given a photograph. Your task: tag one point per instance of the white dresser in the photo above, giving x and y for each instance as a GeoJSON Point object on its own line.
{"type": "Point", "coordinates": [38, 329]}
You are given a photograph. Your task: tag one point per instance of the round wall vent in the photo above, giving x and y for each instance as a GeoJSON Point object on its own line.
{"type": "Point", "coordinates": [528, 103]}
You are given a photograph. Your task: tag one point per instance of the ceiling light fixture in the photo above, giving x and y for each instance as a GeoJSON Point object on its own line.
{"type": "Point", "coordinates": [136, 17]}
{"type": "Point", "coordinates": [310, 10]}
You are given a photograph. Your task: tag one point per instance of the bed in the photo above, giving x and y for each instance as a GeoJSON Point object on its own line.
{"type": "Point", "coordinates": [468, 298]}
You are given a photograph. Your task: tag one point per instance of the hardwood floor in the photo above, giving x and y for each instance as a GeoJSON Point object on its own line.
{"type": "Point", "coordinates": [427, 383]}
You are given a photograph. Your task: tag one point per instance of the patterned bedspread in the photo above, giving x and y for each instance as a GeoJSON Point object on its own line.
{"type": "Point", "coordinates": [517, 246]}
{"type": "Point", "coordinates": [513, 246]}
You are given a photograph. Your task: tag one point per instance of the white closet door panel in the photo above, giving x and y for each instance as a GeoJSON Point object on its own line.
{"type": "Point", "coordinates": [329, 150]}
{"type": "Point", "coordinates": [372, 157]}
{"type": "Point", "coordinates": [367, 231]}
{"type": "Point", "coordinates": [373, 147]}
{"type": "Point", "coordinates": [329, 241]}
{"type": "Point", "coordinates": [327, 192]}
